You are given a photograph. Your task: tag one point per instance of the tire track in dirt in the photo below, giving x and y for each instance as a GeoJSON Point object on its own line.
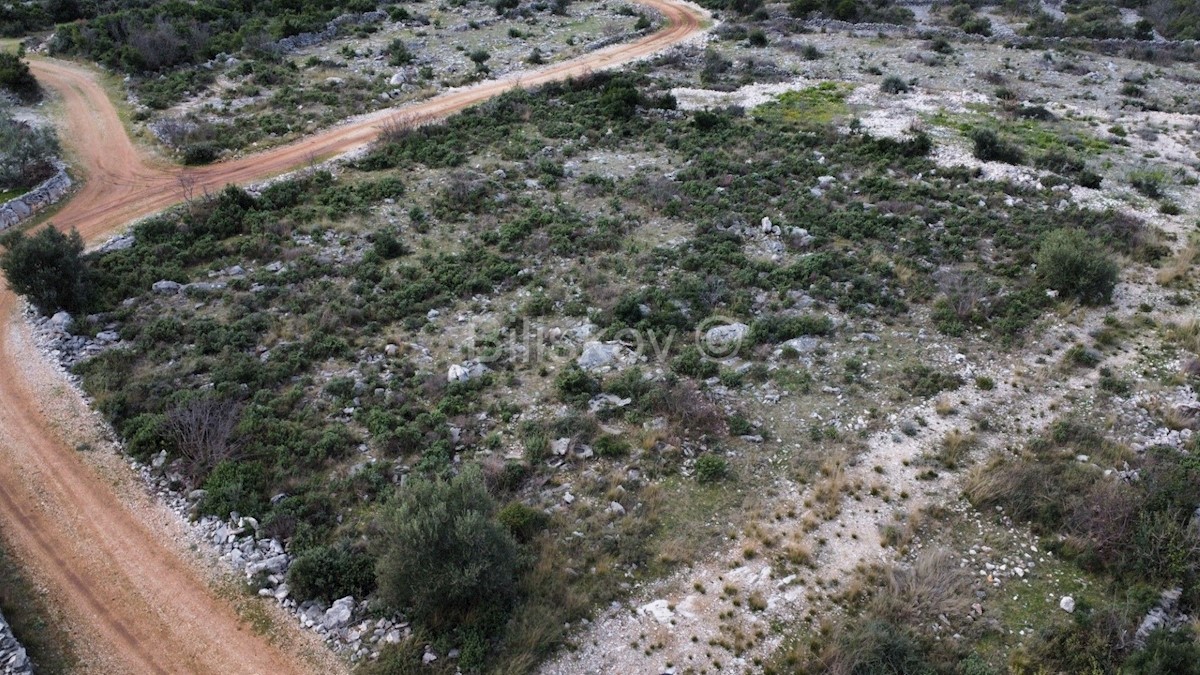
{"type": "Point", "coordinates": [140, 605]}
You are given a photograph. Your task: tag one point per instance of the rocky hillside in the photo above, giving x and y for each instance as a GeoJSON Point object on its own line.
{"type": "Point", "coordinates": [839, 345]}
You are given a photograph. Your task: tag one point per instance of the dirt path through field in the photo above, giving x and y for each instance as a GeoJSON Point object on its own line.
{"type": "Point", "coordinates": [122, 184]}
{"type": "Point", "coordinates": [106, 553]}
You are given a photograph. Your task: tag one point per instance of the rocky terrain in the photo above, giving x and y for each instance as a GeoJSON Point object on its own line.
{"type": "Point", "coordinates": [13, 660]}
{"type": "Point", "coordinates": [760, 348]}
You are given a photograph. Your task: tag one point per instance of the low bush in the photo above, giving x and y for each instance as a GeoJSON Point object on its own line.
{"type": "Point", "coordinates": [27, 153]}
{"type": "Point", "coordinates": [923, 381]}
{"type": "Point", "coordinates": [1072, 263]}
{"type": "Point", "coordinates": [711, 469]}
{"type": "Point", "coordinates": [16, 77]}
{"type": "Point", "coordinates": [330, 572]}
{"type": "Point", "coordinates": [777, 328]}
{"type": "Point", "coordinates": [989, 147]}
{"type": "Point", "coordinates": [893, 85]}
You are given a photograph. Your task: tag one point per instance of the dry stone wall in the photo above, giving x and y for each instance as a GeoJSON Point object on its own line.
{"type": "Point", "coordinates": [16, 211]}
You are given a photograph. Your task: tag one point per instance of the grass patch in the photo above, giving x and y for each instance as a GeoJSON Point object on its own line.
{"type": "Point", "coordinates": [821, 104]}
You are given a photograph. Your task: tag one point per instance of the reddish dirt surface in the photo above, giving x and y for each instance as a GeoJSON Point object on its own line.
{"type": "Point", "coordinates": [139, 605]}
{"type": "Point", "coordinates": [123, 184]}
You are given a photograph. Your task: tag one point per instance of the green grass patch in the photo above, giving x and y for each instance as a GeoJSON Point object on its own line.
{"type": "Point", "coordinates": [812, 106]}
{"type": "Point", "coordinates": [1030, 134]}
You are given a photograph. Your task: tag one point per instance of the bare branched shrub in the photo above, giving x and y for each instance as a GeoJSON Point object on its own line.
{"type": "Point", "coordinates": [1106, 519]}
{"type": "Point", "coordinates": [204, 433]}
{"type": "Point", "coordinates": [965, 291]}
{"type": "Point", "coordinates": [689, 411]}
{"type": "Point", "coordinates": [396, 128]}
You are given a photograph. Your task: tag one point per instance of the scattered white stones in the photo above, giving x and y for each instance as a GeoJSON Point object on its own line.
{"type": "Point", "coordinates": [13, 659]}
{"type": "Point", "coordinates": [1067, 604]}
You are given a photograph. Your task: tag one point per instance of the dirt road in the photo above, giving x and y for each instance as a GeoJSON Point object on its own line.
{"type": "Point", "coordinates": [108, 555]}
{"type": "Point", "coordinates": [123, 184]}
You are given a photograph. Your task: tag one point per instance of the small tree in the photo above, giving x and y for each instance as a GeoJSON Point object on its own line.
{"type": "Point", "coordinates": [480, 57]}
{"type": "Point", "coordinates": [441, 552]}
{"type": "Point", "coordinates": [48, 269]}
{"type": "Point", "coordinates": [1072, 263]}
{"type": "Point", "coordinates": [16, 77]}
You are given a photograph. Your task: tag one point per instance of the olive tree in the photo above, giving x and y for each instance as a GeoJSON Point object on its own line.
{"type": "Point", "coordinates": [442, 554]}
{"type": "Point", "coordinates": [48, 268]}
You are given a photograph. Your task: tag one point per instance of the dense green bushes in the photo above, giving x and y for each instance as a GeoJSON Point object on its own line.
{"type": "Point", "coordinates": [48, 269]}
{"type": "Point", "coordinates": [16, 77]}
{"type": "Point", "coordinates": [331, 572]}
{"type": "Point", "coordinates": [1139, 531]}
{"type": "Point", "coordinates": [442, 554]}
{"type": "Point", "coordinates": [990, 147]}
{"type": "Point", "coordinates": [854, 11]}
{"type": "Point", "coordinates": [1074, 264]}
{"type": "Point", "coordinates": [145, 36]}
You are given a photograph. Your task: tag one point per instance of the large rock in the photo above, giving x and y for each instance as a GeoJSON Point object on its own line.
{"type": "Point", "coordinates": [338, 616]}
{"type": "Point", "coordinates": [276, 564]}
{"type": "Point", "coordinates": [727, 335]}
{"type": "Point", "coordinates": [60, 320]}
{"type": "Point", "coordinates": [598, 355]}
{"type": "Point", "coordinates": [166, 287]}
{"type": "Point", "coordinates": [803, 345]}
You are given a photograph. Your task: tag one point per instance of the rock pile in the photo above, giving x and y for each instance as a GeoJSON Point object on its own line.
{"type": "Point", "coordinates": [240, 544]}
{"type": "Point", "coordinates": [67, 349]}
{"type": "Point", "coordinates": [13, 659]}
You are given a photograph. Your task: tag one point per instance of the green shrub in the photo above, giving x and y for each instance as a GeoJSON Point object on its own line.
{"type": "Point", "coordinates": [922, 381]}
{"type": "Point", "coordinates": [1072, 263]}
{"type": "Point", "coordinates": [441, 552]}
{"type": "Point", "coordinates": [1167, 652]}
{"type": "Point", "coordinates": [398, 53]}
{"type": "Point", "coordinates": [234, 486]}
{"type": "Point", "coordinates": [199, 153]}
{"type": "Point", "coordinates": [1079, 355]}
{"type": "Point", "coordinates": [387, 245]}
{"type": "Point", "coordinates": [16, 77]}
{"type": "Point", "coordinates": [609, 445]}
{"type": "Point", "coordinates": [522, 521]}
{"type": "Point", "coordinates": [575, 385]}
{"type": "Point", "coordinates": [893, 85]}
{"type": "Point", "coordinates": [777, 328]}
{"type": "Point", "coordinates": [989, 147]}
{"type": "Point", "coordinates": [27, 154]}
{"type": "Point", "coordinates": [1148, 182]}
{"type": "Point", "coordinates": [331, 572]}
{"type": "Point", "coordinates": [48, 269]}
{"type": "Point", "coordinates": [878, 647]}
{"type": "Point", "coordinates": [711, 469]}
{"type": "Point", "coordinates": [694, 364]}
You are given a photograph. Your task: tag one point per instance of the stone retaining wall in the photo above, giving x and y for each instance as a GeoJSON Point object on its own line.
{"type": "Point", "coordinates": [14, 211]}
{"type": "Point", "coordinates": [330, 31]}
{"type": "Point", "coordinates": [13, 660]}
